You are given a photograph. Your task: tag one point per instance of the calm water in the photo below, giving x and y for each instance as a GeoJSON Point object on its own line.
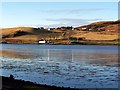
{"type": "Point", "coordinates": [72, 66]}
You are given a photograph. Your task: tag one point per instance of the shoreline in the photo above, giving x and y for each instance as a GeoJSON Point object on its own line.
{"type": "Point", "coordinates": [9, 83]}
{"type": "Point", "coordinates": [63, 44]}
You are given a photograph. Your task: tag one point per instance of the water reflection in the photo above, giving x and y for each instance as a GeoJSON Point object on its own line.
{"type": "Point", "coordinates": [78, 68]}
{"type": "Point", "coordinates": [60, 55]}
{"type": "Point", "coordinates": [66, 55]}
{"type": "Point", "coordinates": [74, 55]}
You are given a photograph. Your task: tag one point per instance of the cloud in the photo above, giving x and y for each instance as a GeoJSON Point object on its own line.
{"type": "Point", "coordinates": [73, 21]}
{"type": "Point", "coordinates": [54, 25]}
{"type": "Point", "coordinates": [75, 10]}
{"type": "Point", "coordinates": [60, 22]}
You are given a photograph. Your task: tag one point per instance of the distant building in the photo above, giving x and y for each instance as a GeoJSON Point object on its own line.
{"type": "Point", "coordinates": [90, 29]}
{"type": "Point", "coordinates": [84, 28]}
{"type": "Point", "coordinates": [72, 28]}
{"type": "Point", "coordinates": [49, 29]}
{"type": "Point", "coordinates": [41, 41]}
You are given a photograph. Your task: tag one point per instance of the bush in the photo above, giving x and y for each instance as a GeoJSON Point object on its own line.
{"type": "Point", "coordinates": [72, 38]}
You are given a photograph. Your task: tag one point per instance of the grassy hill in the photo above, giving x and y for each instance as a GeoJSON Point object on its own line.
{"type": "Point", "coordinates": [95, 33]}
{"type": "Point", "coordinates": [19, 31]}
{"type": "Point", "coordinates": [26, 34]}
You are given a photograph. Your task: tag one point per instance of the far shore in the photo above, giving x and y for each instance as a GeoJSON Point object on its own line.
{"type": "Point", "coordinates": [74, 42]}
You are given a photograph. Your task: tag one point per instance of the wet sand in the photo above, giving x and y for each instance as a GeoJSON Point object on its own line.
{"type": "Point", "coordinates": [106, 60]}
{"type": "Point", "coordinates": [10, 54]}
{"type": "Point", "coordinates": [99, 59]}
{"type": "Point", "coordinates": [113, 62]}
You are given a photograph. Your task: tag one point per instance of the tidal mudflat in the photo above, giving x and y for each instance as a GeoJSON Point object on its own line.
{"type": "Point", "coordinates": [74, 66]}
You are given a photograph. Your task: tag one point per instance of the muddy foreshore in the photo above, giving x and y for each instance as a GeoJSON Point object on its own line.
{"type": "Point", "coordinates": [9, 83]}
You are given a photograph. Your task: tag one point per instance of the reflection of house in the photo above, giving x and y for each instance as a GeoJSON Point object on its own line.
{"type": "Point", "coordinates": [60, 55]}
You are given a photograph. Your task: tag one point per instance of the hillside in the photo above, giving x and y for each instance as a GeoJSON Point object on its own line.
{"type": "Point", "coordinates": [111, 26]}
{"type": "Point", "coordinates": [95, 33]}
{"type": "Point", "coordinates": [20, 31]}
{"type": "Point", "coordinates": [25, 34]}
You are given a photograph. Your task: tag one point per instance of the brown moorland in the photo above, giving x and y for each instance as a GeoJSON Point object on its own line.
{"type": "Point", "coordinates": [95, 33]}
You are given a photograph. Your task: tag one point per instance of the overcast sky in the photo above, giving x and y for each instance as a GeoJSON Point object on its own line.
{"type": "Point", "coordinates": [51, 14]}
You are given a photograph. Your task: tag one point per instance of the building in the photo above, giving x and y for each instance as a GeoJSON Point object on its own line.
{"type": "Point", "coordinates": [49, 29]}
{"type": "Point", "coordinates": [41, 41]}
{"type": "Point", "coordinates": [73, 28]}
{"type": "Point", "coordinates": [84, 28]}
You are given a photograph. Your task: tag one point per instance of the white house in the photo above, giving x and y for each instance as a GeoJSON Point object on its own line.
{"type": "Point", "coordinates": [90, 29]}
{"type": "Point", "coordinates": [48, 28]}
{"type": "Point", "coordinates": [42, 42]}
{"type": "Point", "coordinates": [84, 28]}
{"type": "Point", "coordinates": [72, 28]}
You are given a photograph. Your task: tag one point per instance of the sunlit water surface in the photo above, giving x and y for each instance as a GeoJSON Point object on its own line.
{"type": "Point", "coordinates": [72, 66]}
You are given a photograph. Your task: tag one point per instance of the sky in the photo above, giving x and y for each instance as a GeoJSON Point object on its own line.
{"type": "Point", "coordinates": [56, 14]}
